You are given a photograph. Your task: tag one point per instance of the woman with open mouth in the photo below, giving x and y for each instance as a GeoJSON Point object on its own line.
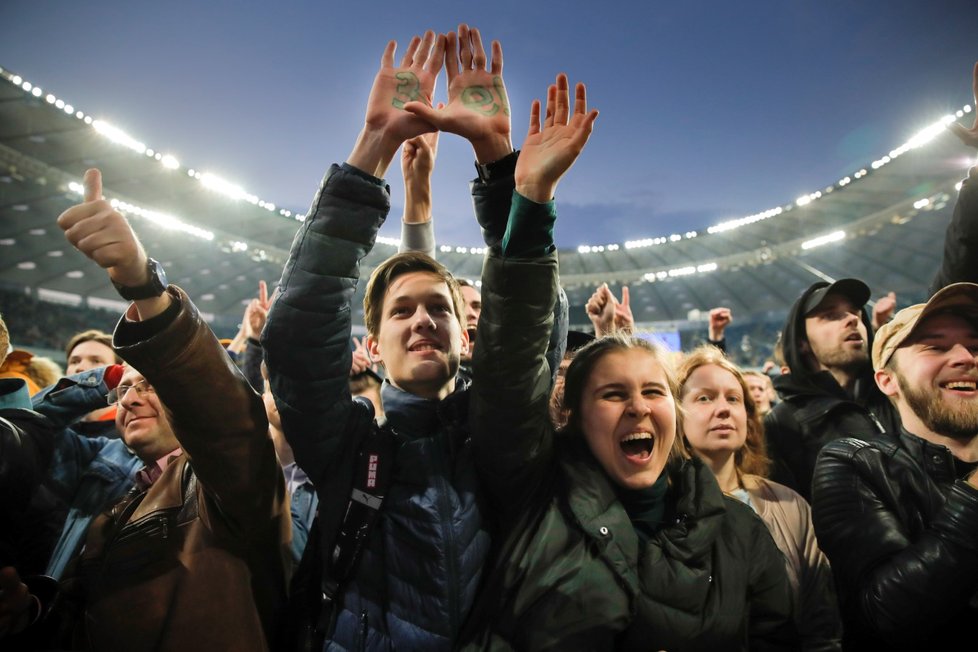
{"type": "Point", "coordinates": [611, 535]}
{"type": "Point", "coordinates": [722, 427]}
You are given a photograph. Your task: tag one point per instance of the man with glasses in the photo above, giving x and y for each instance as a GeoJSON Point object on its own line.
{"type": "Point", "coordinates": [196, 554]}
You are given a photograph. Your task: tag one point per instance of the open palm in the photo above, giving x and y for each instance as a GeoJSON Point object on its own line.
{"type": "Point", "coordinates": [548, 152]}
{"type": "Point", "coordinates": [413, 81]}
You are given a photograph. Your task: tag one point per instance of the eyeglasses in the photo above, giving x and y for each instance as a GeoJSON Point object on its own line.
{"type": "Point", "coordinates": [142, 388]}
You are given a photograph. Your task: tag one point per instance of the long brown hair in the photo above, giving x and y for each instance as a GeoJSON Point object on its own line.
{"type": "Point", "coordinates": [583, 364]}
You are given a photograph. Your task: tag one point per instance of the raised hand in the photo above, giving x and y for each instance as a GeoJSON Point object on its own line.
{"type": "Point", "coordinates": [883, 310]}
{"type": "Point", "coordinates": [361, 357]}
{"type": "Point", "coordinates": [550, 151]}
{"type": "Point", "coordinates": [969, 136]}
{"type": "Point", "coordinates": [607, 314]}
{"type": "Point", "coordinates": [720, 318]}
{"type": "Point", "coordinates": [478, 106]}
{"type": "Point", "coordinates": [386, 123]}
{"type": "Point", "coordinates": [256, 313]}
{"type": "Point", "coordinates": [417, 164]}
{"type": "Point", "coordinates": [418, 156]}
{"type": "Point", "coordinates": [103, 234]}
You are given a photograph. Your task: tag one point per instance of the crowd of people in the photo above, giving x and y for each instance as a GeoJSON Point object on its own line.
{"type": "Point", "coordinates": [473, 474]}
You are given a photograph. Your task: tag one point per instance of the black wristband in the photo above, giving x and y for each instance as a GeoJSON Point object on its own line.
{"type": "Point", "coordinates": [504, 167]}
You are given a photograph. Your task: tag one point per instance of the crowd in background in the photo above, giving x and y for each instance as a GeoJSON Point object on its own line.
{"type": "Point", "coordinates": [474, 473]}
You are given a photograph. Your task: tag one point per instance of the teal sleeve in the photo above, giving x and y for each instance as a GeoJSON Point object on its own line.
{"type": "Point", "coordinates": [530, 229]}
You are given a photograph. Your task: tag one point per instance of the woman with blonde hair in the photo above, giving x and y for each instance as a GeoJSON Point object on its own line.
{"type": "Point", "coordinates": [722, 426]}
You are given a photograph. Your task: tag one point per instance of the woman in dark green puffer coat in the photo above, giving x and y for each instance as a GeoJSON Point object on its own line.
{"type": "Point", "coordinates": [608, 535]}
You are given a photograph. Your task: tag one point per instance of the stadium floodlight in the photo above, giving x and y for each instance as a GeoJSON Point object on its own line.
{"type": "Point", "coordinates": [225, 187]}
{"type": "Point", "coordinates": [118, 136]}
{"type": "Point", "coordinates": [162, 219]}
{"type": "Point", "coordinates": [920, 203]}
{"type": "Point", "coordinates": [835, 236]}
{"type": "Point", "coordinates": [681, 271]}
{"type": "Point", "coordinates": [170, 161]}
{"type": "Point", "coordinates": [706, 267]}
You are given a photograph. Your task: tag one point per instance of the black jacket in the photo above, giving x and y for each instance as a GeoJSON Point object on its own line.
{"type": "Point", "coordinates": [901, 532]}
{"type": "Point", "coordinates": [961, 239]}
{"type": "Point", "coordinates": [815, 409]}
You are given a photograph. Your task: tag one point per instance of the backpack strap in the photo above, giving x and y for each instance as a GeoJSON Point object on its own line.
{"type": "Point", "coordinates": [372, 477]}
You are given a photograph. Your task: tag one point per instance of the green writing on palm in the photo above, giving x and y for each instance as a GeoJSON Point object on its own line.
{"type": "Point", "coordinates": [483, 100]}
{"type": "Point", "coordinates": [410, 87]}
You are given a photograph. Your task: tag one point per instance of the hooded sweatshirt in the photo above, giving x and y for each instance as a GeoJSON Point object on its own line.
{"type": "Point", "coordinates": [815, 409]}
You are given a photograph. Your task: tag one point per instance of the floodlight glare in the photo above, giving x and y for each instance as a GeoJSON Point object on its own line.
{"type": "Point", "coordinates": [835, 236]}
{"type": "Point", "coordinates": [117, 135]}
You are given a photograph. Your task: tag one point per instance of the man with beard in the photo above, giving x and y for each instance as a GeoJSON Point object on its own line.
{"type": "Point", "coordinates": [897, 515]}
{"type": "Point", "coordinates": [829, 392]}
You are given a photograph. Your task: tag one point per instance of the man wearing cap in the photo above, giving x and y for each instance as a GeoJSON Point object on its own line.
{"type": "Point", "coordinates": [898, 515]}
{"type": "Point", "coordinates": [829, 391]}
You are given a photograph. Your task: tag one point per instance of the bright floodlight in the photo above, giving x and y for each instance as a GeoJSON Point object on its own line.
{"type": "Point", "coordinates": [835, 236]}
{"type": "Point", "coordinates": [117, 135]}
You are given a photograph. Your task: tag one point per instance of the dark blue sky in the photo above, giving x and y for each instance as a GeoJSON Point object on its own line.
{"type": "Point", "coordinates": [709, 110]}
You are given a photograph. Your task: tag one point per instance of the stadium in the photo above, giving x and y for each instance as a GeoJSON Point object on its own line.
{"type": "Point", "coordinates": [883, 223]}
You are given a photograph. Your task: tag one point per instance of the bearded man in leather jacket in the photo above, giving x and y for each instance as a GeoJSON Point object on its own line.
{"type": "Point", "coordinates": [897, 515]}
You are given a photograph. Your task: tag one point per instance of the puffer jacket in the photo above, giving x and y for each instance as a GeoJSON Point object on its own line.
{"type": "Point", "coordinates": [960, 239]}
{"type": "Point", "coordinates": [88, 473]}
{"type": "Point", "coordinates": [814, 409]}
{"type": "Point", "coordinates": [421, 567]}
{"type": "Point", "coordinates": [569, 571]}
{"type": "Point", "coordinates": [901, 531]}
{"type": "Point", "coordinates": [199, 559]}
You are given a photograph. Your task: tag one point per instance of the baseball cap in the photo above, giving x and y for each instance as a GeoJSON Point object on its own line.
{"type": "Point", "coordinates": [851, 288]}
{"type": "Point", "coordinates": [959, 297]}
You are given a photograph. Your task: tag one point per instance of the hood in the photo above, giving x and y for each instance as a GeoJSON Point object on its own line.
{"type": "Point", "coordinates": [792, 336]}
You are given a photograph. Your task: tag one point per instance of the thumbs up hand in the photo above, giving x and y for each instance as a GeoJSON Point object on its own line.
{"type": "Point", "coordinates": [103, 234]}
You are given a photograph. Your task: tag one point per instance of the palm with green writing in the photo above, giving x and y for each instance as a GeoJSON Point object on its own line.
{"type": "Point", "coordinates": [478, 107]}
{"type": "Point", "coordinates": [413, 81]}
{"type": "Point", "coordinates": [550, 151]}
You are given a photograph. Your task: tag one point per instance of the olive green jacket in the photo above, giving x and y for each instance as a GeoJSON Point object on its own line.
{"type": "Point", "coordinates": [568, 571]}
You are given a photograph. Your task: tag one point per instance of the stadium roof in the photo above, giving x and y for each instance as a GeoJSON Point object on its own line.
{"type": "Point", "coordinates": [883, 223]}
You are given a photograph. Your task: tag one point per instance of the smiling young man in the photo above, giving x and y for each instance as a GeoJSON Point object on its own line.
{"type": "Point", "coordinates": [829, 392]}
{"type": "Point", "coordinates": [898, 515]}
{"type": "Point", "coordinates": [421, 564]}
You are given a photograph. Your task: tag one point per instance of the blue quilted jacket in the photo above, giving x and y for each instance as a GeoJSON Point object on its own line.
{"type": "Point", "coordinates": [419, 573]}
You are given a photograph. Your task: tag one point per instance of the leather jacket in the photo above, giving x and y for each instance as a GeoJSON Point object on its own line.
{"type": "Point", "coordinates": [901, 533]}
{"type": "Point", "coordinates": [199, 559]}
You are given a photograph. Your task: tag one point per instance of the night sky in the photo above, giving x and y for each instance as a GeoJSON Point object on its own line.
{"type": "Point", "coordinates": [709, 110]}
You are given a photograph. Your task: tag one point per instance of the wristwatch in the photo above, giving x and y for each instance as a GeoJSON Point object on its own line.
{"type": "Point", "coordinates": [504, 167]}
{"type": "Point", "coordinates": [154, 287]}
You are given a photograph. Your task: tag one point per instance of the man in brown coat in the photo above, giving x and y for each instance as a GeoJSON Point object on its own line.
{"type": "Point", "coordinates": [195, 557]}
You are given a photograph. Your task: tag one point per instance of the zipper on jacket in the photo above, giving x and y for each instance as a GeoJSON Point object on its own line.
{"type": "Point", "coordinates": [150, 527]}
{"type": "Point", "coordinates": [453, 582]}
{"type": "Point", "coordinates": [363, 629]}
